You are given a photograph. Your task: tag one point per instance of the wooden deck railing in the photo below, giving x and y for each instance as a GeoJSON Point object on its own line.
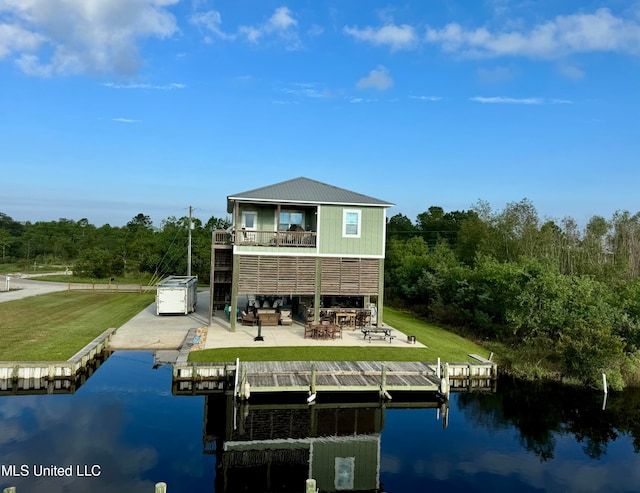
{"type": "Point", "coordinates": [305, 239]}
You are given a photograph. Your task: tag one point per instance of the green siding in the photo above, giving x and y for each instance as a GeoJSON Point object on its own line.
{"type": "Point", "coordinates": [266, 216]}
{"type": "Point", "coordinates": [371, 241]}
{"type": "Point", "coordinates": [330, 239]}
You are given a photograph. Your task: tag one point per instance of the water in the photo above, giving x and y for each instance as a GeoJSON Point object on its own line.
{"type": "Point", "coordinates": [124, 431]}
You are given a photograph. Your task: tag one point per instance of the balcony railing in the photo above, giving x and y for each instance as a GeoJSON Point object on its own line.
{"type": "Point", "coordinates": [303, 239]}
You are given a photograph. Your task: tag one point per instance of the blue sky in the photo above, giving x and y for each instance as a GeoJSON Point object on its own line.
{"type": "Point", "coordinates": [111, 108]}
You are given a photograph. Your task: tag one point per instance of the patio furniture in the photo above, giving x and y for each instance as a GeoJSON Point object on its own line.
{"type": "Point", "coordinates": [249, 319]}
{"type": "Point", "coordinates": [268, 316]}
{"type": "Point", "coordinates": [346, 319]}
{"type": "Point", "coordinates": [322, 331]}
{"type": "Point", "coordinates": [363, 319]}
{"type": "Point", "coordinates": [337, 332]}
{"type": "Point", "coordinates": [309, 331]}
{"type": "Point", "coordinates": [285, 316]}
{"type": "Point", "coordinates": [381, 333]}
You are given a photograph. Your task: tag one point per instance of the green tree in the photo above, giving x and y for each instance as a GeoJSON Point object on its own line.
{"type": "Point", "coordinates": [98, 263]}
{"type": "Point", "coordinates": [5, 241]}
{"type": "Point", "coordinates": [400, 226]}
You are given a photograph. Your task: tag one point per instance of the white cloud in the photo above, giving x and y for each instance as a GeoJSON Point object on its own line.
{"type": "Point", "coordinates": [378, 78]}
{"type": "Point", "coordinates": [506, 100]}
{"type": "Point", "coordinates": [396, 37]}
{"type": "Point", "coordinates": [564, 35]}
{"type": "Point", "coordinates": [281, 24]}
{"type": "Point", "coordinates": [427, 98]}
{"type": "Point", "coordinates": [14, 38]}
{"type": "Point", "coordinates": [125, 120]}
{"type": "Point", "coordinates": [307, 90]}
{"type": "Point", "coordinates": [526, 101]}
{"type": "Point", "coordinates": [315, 30]}
{"type": "Point", "coordinates": [571, 71]}
{"type": "Point", "coordinates": [166, 87]}
{"type": "Point", "coordinates": [210, 20]}
{"type": "Point", "coordinates": [281, 19]}
{"type": "Point", "coordinates": [61, 37]}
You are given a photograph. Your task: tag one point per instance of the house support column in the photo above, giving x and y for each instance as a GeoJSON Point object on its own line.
{"type": "Point", "coordinates": [235, 275]}
{"type": "Point", "coordinates": [380, 292]}
{"type": "Point", "coordinates": [317, 291]}
{"type": "Point", "coordinates": [212, 276]}
{"type": "Point", "coordinates": [278, 225]}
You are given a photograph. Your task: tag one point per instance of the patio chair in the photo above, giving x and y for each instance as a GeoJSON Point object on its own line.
{"type": "Point", "coordinates": [337, 332]}
{"type": "Point", "coordinates": [309, 331]}
{"type": "Point", "coordinates": [249, 319]}
{"type": "Point", "coordinates": [363, 319]}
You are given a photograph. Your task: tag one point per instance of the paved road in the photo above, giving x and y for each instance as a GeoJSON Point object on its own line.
{"type": "Point", "coordinates": [22, 287]}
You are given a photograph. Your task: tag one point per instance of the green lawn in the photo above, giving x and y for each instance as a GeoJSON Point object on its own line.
{"type": "Point", "coordinates": [440, 344]}
{"type": "Point", "coordinates": [53, 327]}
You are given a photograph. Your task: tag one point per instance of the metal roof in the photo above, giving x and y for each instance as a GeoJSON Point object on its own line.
{"type": "Point", "coordinates": [305, 191]}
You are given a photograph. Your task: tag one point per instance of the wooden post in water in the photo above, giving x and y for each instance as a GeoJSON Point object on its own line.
{"type": "Point", "coordinates": [161, 487]}
{"type": "Point", "coordinates": [383, 384]}
{"type": "Point", "coordinates": [444, 409]}
{"type": "Point", "coordinates": [235, 383]}
{"type": "Point", "coordinates": [243, 382]}
{"type": "Point", "coordinates": [12, 489]}
{"type": "Point", "coordinates": [444, 382]}
{"type": "Point", "coordinates": [310, 486]}
{"type": "Point", "coordinates": [312, 387]}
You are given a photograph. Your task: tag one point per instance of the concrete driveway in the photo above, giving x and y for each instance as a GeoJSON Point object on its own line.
{"type": "Point", "coordinates": [150, 331]}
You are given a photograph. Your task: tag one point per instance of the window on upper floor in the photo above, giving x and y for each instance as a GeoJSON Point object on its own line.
{"type": "Point", "coordinates": [351, 223]}
{"type": "Point", "coordinates": [291, 218]}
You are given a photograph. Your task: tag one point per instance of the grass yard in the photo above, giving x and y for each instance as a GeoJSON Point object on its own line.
{"type": "Point", "coordinates": [440, 344]}
{"type": "Point", "coordinates": [53, 327]}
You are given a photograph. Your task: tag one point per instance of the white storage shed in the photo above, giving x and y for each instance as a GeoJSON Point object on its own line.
{"type": "Point", "coordinates": [177, 294]}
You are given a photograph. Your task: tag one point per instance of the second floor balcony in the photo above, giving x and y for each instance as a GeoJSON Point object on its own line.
{"type": "Point", "coordinates": [301, 239]}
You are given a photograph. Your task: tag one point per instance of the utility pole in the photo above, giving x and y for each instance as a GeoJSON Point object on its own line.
{"type": "Point", "coordinates": [189, 247]}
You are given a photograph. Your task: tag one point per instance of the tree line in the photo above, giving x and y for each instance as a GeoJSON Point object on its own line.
{"type": "Point", "coordinates": [553, 298]}
{"type": "Point", "coordinates": [138, 248]}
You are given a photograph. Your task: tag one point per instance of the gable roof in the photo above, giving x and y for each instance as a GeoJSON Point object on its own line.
{"type": "Point", "coordinates": [305, 191]}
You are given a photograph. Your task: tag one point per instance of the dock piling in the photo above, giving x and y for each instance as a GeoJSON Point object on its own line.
{"type": "Point", "coordinates": [312, 387]}
{"type": "Point", "coordinates": [310, 486]}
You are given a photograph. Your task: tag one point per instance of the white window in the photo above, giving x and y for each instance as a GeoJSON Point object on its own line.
{"type": "Point", "coordinates": [351, 223]}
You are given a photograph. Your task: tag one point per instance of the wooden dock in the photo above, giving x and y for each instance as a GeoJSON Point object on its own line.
{"type": "Point", "coordinates": [385, 378]}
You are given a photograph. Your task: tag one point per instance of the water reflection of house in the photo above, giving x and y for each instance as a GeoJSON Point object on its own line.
{"type": "Point", "coordinates": [276, 447]}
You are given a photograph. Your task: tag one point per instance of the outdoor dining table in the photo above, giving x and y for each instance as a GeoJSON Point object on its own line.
{"type": "Point", "coordinates": [324, 331]}
{"type": "Point", "coordinates": [347, 319]}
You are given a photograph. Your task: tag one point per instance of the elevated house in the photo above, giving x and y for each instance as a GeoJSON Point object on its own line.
{"type": "Point", "coordinates": [302, 244]}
